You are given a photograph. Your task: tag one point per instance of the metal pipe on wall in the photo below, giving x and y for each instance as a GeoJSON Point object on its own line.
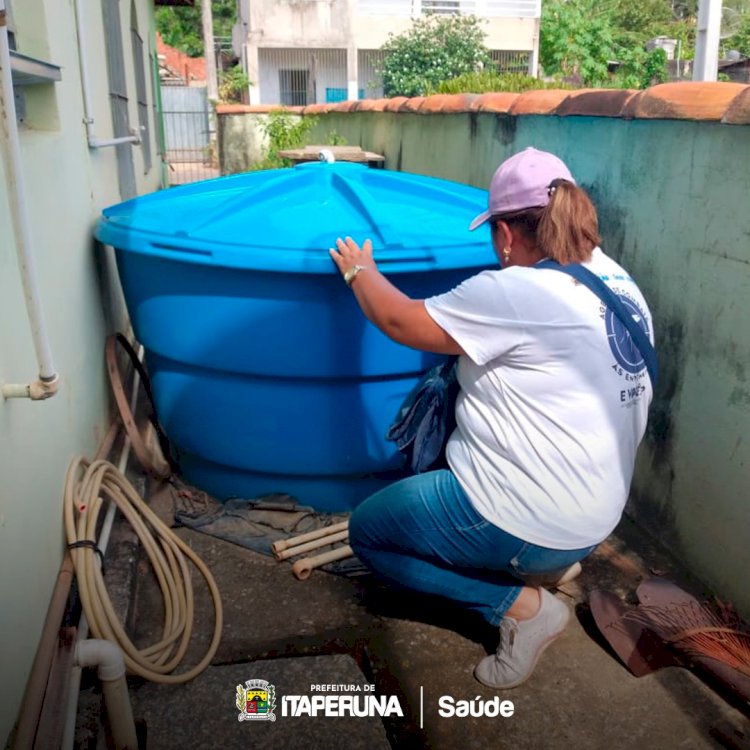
{"type": "Point", "coordinates": [83, 64]}
{"type": "Point", "coordinates": [46, 384]}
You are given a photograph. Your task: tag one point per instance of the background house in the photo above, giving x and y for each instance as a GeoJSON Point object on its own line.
{"type": "Point", "coordinates": [186, 115]}
{"type": "Point", "coordinates": [736, 69]}
{"type": "Point", "coordinates": [306, 52]}
{"type": "Point", "coordinates": [98, 67]}
{"type": "Point", "coordinates": [176, 68]}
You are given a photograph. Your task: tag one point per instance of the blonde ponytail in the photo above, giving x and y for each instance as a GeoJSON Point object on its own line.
{"type": "Point", "coordinates": [568, 229]}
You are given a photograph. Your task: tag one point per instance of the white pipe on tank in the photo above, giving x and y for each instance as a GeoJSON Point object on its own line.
{"type": "Point", "coordinates": [83, 64]}
{"type": "Point", "coordinates": [46, 385]}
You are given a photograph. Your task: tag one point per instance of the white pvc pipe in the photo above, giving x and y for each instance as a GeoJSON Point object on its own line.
{"type": "Point", "coordinates": [83, 625]}
{"type": "Point", "coordinates": [83, 64]}
{"type": "Point", "coordinates": [110, 668]}
{"type": "Point", "coordinates": [102, 142]}
{"type": "Point", "coordinates": [11, 145]}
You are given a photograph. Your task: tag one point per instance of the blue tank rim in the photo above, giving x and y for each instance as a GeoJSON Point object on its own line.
{"type": "Point", "coordinates": [151, 224]}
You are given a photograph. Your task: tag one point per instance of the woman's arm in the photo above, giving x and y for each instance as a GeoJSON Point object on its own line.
{"type": "Point", "coordinates": [401, 318]}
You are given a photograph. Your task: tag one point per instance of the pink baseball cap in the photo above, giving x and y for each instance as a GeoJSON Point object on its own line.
{"type": "Point", "coordinates": [522, 181]}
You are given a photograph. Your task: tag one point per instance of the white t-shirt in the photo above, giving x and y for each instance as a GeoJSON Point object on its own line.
{"type": "Point", "coordinates": [553, 403]}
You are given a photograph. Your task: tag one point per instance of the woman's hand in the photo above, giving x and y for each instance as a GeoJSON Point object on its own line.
{"type": "Point", "coordinates": [348, 254]}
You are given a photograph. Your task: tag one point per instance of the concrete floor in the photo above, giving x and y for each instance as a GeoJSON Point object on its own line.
{"type": "Point", "coordinates": [331, 630]}
{"type": "Point", "coordinates": [185, 172]}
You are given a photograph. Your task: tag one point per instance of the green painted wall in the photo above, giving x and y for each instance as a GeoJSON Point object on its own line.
{"type": "Point", "coordinates": [672, 199]}
{"type": "Point", "coordinates": [66, 185]}
{"type": "Point", "coordinates": [673, 204]}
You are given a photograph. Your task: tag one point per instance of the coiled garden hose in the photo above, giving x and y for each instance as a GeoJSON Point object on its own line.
{"type": "Point", "coordinates": [87, 486]}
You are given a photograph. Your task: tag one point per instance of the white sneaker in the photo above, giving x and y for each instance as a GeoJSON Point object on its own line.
{"type": "Point", "coordinates": [568, 575]}
{"type": "Point", "coordinates": [555, 579]}
{"type": "Point", "coordinates": [522, 643]}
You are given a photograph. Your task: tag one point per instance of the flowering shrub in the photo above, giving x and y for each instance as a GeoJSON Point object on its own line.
{"type": "Point", "coordinates": [434, 49]}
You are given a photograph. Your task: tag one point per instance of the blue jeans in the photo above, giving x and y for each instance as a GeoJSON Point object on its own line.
{"type": "Point", "coordinates": [422, 533]}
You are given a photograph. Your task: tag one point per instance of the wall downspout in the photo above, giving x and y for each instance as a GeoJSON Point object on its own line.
{"type": "Point", "coordinates": [88, 120]}
{"type": "Point", "coordinates": [47, 383]}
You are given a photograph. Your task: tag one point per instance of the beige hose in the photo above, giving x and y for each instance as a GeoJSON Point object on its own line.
{"type": "Point", "coordinates": [87, 486]}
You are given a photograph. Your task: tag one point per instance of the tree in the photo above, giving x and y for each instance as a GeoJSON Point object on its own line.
{"type": "Point", "coordinates": [740, 40]}
{"type": "Point", "coordinates": [180, 27]}
{"type": "Point", "coordinates": [576, 41]}
{"type": "Point", "coordinates": [436, 48]}
{"type": "Point", "coordinates": [581, 39]}
{"type": "Point", "coordinates": [647, 17]}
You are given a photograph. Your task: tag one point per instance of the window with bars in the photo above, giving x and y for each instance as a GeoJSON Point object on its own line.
{"type": "Point", "coordinates": [370, 65]}
{"type": "Point", "coordinates": [118, 96]}
{"type": "Point", "coordinates": [510, 61]}
{"type": "Point", "coordinates": [140, 89]}
{"type": "Point", "coordinates": [293, 87]}
{"type": "Point", "coordinates": [445, 7]}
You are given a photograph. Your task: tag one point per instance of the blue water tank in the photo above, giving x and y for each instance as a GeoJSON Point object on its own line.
{"type": "Point", "coordinates": [267, 377]}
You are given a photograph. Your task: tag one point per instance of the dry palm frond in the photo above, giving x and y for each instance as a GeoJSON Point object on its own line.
{"type": "Point", "coordinates": [698, 630]}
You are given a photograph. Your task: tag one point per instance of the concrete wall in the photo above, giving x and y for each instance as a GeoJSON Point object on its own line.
{"type": "Point", "coordinates": [672, 196]}
{"type": "Point", "coordinates": [242, 142]}
{"type": "Point", "coordinates": [66, 186]}
{"type": "Point", "coordinates": [349, 26]}
{"type": "Point", "coordinates": [340, 22]}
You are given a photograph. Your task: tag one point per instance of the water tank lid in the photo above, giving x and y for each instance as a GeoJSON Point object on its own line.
{"type": "Point", "coordinates": [287, 219]}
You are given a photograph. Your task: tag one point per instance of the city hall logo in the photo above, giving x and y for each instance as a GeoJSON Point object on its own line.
{"type": "Point", "coordinates": [256, 700]}
{"type": "Point", "coordinates": [621, 344]}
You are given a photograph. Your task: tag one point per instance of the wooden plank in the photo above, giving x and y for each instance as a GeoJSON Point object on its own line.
{"type": "Point", "coordinates": [52, 716]}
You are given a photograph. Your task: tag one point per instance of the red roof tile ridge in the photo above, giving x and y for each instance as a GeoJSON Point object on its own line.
{"type": "Point", "coordinates": [687, 100]}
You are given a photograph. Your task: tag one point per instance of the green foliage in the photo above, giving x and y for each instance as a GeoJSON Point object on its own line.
{"type": "Point", "coordinates": [685, 10]}
{"type": "Point", "coordinates": [285, 131]}
{"type": "Point", "coordinates": [232, 82]}
{"type": "Point", "coordinates": [576, 42]}
{"type": "Point", "coordinates": [655, 69]}
{"type": "Point", "coordinates": [335, 139]}
{"type": "Point", "coordinates": [434, 49]}
{"type": "Point", "coordinates": [582, 39]}
{"type": "Point", "coordinates": [180, 26]}
{"type": "Point", "coordinates": [741, 40]}
{"type": "Point", "coordinates": [487, 80]}
{"type": "Point", "coordinates": [179, 31]}
{"type": "Point", "coordinates": [644, 18]}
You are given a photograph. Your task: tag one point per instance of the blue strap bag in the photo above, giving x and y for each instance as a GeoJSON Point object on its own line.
{"type": "Point", "coordinates": [610, 299]}
{"type": "Point", "coordinates": [427, 416]}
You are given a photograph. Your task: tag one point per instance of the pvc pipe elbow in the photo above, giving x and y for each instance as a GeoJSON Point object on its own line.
{"type": "Point", "coordinates": [40, 390]}
{"type": "Point", "coordinates": [102, 654]}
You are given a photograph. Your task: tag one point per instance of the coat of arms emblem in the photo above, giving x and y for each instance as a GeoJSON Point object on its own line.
{"type": "Point", "coordinates": [256, 700]}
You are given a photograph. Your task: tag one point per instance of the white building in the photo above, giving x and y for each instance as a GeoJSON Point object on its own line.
{"type": "Point", "coordinates": [313, 51]}
{"type": "Point", "coordinates": [84, 135]}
